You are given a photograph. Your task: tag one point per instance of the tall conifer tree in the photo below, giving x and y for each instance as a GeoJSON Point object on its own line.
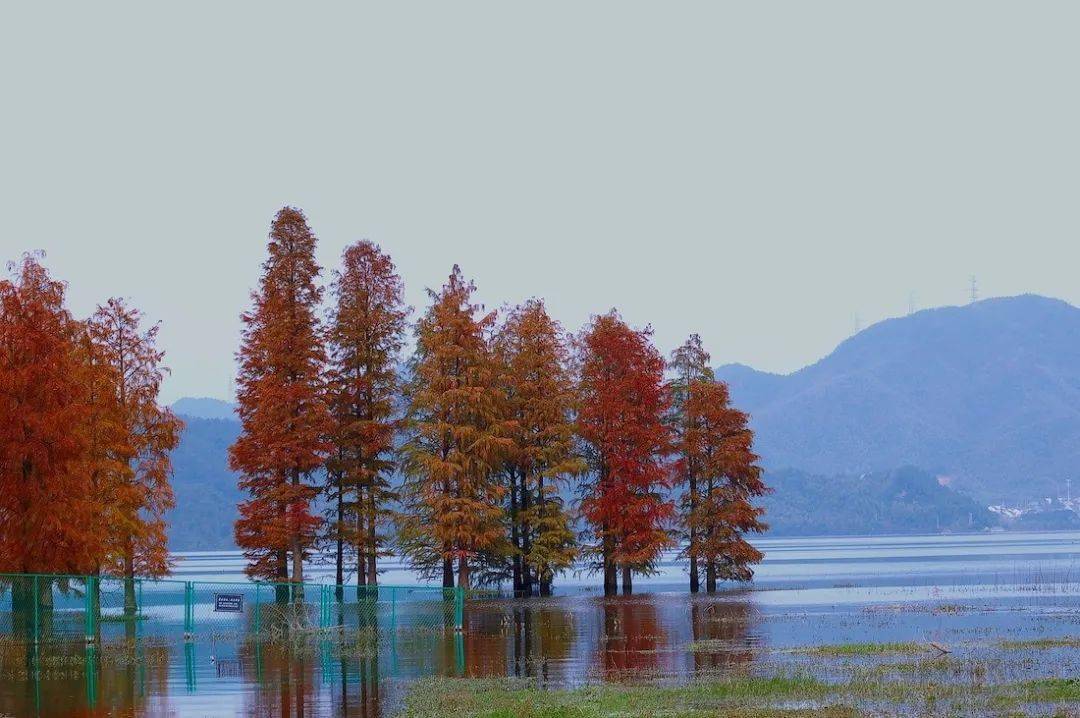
{"type": "Point", "coordinates": [690, 364]}
{"type": "Point", "coordinates": [47, 506]}
{"type": "Point", "coordinates": [281, 406]}
{"type": "Point", "coordinates": [140, 493]}
{"type": "Point", "coordinates": [366, 332]}
{"type": "Point", "coordinates": [720, 444]}
{"type": "Point", "coordinates": [456, 438]}
{"type": "Point", "coordinates": [538, 402]}
{"type": "Point", "coordinates": [622, 407]}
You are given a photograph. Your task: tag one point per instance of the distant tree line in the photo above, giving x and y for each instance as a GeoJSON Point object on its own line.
{"type": "Point", "coordinates": [84, 445]}
{"type": "Point", "coordinates": [494, 420]}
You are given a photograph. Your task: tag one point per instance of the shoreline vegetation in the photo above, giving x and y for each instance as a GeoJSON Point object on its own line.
{"type": "Point", "coordinates": [781, 695]}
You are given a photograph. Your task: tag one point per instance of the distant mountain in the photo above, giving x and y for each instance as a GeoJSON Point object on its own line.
{"type": "Point", "coordinates": [987, 394]}
{"type": "Point", "coordinates": [206, 491]}
{"type": "Point", "coordinates": [205, 408]}
{"type": "Point", "coordinates": [906, 500]}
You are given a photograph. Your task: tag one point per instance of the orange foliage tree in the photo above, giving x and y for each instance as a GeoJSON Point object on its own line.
{"type": "Point", "coordinates": [621, 418]}
{"type": "Point", "coordinates": [722, 444]}
{"type": "Point", "coordinates": [135, 484]}
{"type": "Point", "coordinates": [538, 394]}
{"type": "Point", "coordinates": [47, 507]}
{"type": "Point", "coordinates": [719, 469]}
{"type": "Point", "coordinates": [281, 406]}
{"type": "Point", "coordinates": [365, 335]}
{"type": "Point", "coordinates": [456, 439]}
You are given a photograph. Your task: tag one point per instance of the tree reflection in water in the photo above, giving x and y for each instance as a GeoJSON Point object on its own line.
{"type": "Point", "coordinates": [363, 668]}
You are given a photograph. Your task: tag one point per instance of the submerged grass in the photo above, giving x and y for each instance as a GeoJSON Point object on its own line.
{"type": "Point", "coordinates": [745, 697]}
{"type": "Point", "coordinates": [1041, 643]}
{"type": "Point", "coordinates": [776, 696]}
{"type": "Point", "coordinates": [863, 649]}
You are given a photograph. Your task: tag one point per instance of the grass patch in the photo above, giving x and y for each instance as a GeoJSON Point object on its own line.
{"type": "Point", "coordinates": [1041, 643]}
{"type": "Point", "coordinates": [862, 649]}
{"type": "Point", "coordinates": [736, 697]}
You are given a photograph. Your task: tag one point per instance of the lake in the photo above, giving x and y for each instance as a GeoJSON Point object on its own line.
{"type": "Point", "coordinates": [969, 593]}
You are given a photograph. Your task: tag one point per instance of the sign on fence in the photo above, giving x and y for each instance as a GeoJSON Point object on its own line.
{"type": "Point", "coordinates": [229, 602]}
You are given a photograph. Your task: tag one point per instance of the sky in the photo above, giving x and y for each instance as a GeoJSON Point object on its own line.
{"type": "Point", "coordinates": [759, 173]}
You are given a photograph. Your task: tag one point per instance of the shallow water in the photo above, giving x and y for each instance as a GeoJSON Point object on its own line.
{"type": "Point", "coordinates": [964, 592]}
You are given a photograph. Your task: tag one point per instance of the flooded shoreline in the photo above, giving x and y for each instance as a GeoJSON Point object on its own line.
{"type": "Point", "coordinates": [1014, 618]}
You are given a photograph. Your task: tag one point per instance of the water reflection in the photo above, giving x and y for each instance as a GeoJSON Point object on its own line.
{"type": "Point", "coordinates": [364, 668]}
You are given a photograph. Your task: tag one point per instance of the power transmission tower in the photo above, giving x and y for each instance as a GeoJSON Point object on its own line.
{"type": "Point", "coordinates": [911, 303]}
{"type": "Point", "coordinates": [974, 289]}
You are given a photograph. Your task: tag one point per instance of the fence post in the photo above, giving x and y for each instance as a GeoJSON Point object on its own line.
{"type": "Point", "coordinates": [189, 611]}
{"type": "Point", "coordinates": [37, 600]}
{"type": "Point", "coordinates": [393, 609]}
{"type": "Point", "coordinates": [459, 608]}
{"type": "Point", "coordinates": [88, 608]}
{"type": "Point", "coordinates": [258, 611]}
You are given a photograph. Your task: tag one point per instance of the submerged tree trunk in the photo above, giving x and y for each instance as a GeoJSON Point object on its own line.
{"type": "Point", "coordinates": [693, 533]}
{"type": "Point", "coordinates": [339, 556]}
{"type": "Point", "coordinates": [281, 588]}
{"type": "Point", "coordinates": [515, 535]}
{"type": "Point", "coordinates": [627, 580]}
{"type": "Point", "coordinates": [526, 539]}
{"type": "Point", "coordinates": [129, 581]}
{"type": "Point", "coordinates": [373, 541]}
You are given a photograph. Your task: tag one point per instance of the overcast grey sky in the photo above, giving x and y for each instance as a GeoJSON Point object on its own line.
{"type": "Point", "coordinates": [756, 172]}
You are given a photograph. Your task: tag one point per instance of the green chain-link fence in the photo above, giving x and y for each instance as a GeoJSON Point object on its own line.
{"type": "Point", "coordinates": [36, 608]}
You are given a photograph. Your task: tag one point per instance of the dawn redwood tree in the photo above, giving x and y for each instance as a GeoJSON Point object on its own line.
{"type": "Point", "coordinates": [456, 439]}
{"type": "Point", "coordinates": [621, 418]}
{"type": "Point", "coordinates": [365, 336]}
{"type": "Point", "coordinates": [690, 364]}
{"type": "Point", "coordinates": [720, 445]}
{"type": "Point", "coordinates": [538, 402]}
{"type": "Point", "coordinates": [138, 454]}
{"type": "Point", "coordinates": [281, 406]}
{"type": "Point", "coordinates": [47, 508]}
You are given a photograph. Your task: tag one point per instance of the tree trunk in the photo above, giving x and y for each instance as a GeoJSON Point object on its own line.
{"type": "Point", "coordinates": [627, 580]}
{"type": "Point", "coordinates": [297, 554]}
{"type": "Point", "coordinates": [447, 569]}
{"type": "Point", "coordinates": [693, 533]}
{"type": "Point", "coordinates": [526, 539]}
{"type": "Point", "coordinates": [373, 541]}
{"type": "Point", "coordinates": [463, 573]}
{"type": "Point", "coordinates": [129, 581]}
{"type": "Point", "coordinates": [281, 588]}
{"type": "Point", "coordinates": [339, 556]}
{"type": "Point", "coordinates": [611, 578]}
{"type": "Point", "coordinates": [710, 577]}
{"type": "Point", "coordinates": [515, 535]}
{"type": "Point", "coordinates": [298, 569]}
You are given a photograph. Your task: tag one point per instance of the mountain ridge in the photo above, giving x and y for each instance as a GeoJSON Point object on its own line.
{"type": "Point", "coordinates": [988, 393]}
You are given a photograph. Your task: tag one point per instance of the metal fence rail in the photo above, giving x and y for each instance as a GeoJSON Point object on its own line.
{"type": "Point", "coordinates": [37, 608]}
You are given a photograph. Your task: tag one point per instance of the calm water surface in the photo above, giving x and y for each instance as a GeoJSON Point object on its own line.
{"type": "Point", "coordinates": [968, 591]}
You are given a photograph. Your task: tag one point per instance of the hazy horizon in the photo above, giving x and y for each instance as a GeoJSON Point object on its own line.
{"type": "Point", "coordinates": [759, 174]}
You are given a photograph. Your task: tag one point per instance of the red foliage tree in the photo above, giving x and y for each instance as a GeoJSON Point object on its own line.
{"type": "Point", "coordinates": [622, 406]}
{"type": "Point", "coordinates": [143, 435]}
{"type": "Point", "coordinates": [47, 507]}
{"type": "Point", "coordinates": [720, 444]}
{"type": "Point", "coordinates": [280, 402]}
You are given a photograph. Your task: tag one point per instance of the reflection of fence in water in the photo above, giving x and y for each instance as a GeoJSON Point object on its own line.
{"type": "Point", "coordinates": [102, 610]}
